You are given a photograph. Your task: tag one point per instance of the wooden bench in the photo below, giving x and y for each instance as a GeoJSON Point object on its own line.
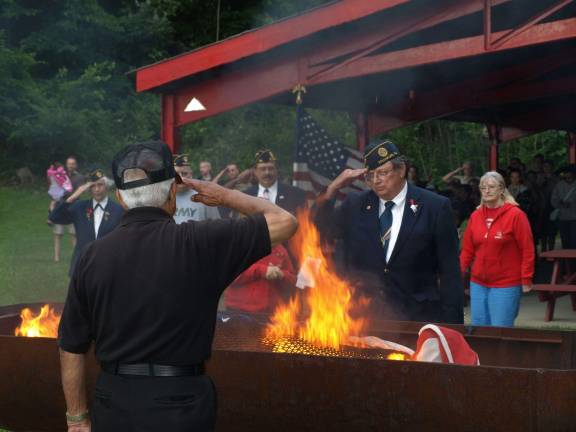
{"type": "Point", "coordinates": [550, 292]}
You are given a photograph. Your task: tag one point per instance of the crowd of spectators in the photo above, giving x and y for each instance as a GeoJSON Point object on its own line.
{"type": "Point", "coordinates": [543, 192]}
{"type": "Point", "coordinates": [547, 197]}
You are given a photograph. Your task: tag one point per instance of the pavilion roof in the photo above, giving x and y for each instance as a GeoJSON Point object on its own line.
{"type": "Point", "coordinates": [392, 62]}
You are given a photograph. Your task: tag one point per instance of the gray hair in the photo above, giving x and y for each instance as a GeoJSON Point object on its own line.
{"type": "Point", "coordinates": [106, 181]}
{"type": "Point", "coordinates": [497, 177]}
{"type": "Point", "coordinates": [152, 195]}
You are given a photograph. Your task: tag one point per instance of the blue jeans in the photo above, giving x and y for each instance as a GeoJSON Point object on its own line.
{"type": "Point", "coordinates": [494, 306]}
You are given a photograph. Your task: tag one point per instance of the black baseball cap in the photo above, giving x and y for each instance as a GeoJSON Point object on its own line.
{"type": "Point", "coordinates": [154, 158]}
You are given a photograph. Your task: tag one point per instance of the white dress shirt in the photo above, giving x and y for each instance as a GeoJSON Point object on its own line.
{"type": "Point", "coordinates": [397, 213]}
{"type": "Point", "coordinates": [98, 214]}
{"type": "Point", "coordinates": [272, 192]}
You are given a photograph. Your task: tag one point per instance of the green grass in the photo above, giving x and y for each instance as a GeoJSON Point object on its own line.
{"type": "Point", "coordinates": [27, 271]}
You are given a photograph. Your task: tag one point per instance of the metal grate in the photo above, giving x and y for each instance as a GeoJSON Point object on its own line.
{"type": "Point", "coordinates": [299, 346]}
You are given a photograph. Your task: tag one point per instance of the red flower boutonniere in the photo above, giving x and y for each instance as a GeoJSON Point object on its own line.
{"type": "Point", "coordinates": [413, 206]}
{"type": "Point", "coordinates": [89, 212]}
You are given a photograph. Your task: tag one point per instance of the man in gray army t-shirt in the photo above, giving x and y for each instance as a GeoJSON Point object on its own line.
{"type": "Point", "coordinates": [186, 209]}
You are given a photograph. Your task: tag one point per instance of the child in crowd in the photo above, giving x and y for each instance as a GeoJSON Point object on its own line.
{"type": "Point", "coordinates": [60, 185]}
{"type": "Point", "coordinates": [59, 182]}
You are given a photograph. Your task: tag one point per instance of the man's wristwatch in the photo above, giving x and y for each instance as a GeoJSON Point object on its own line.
{"type": "Point", "coordinates": [77, 418]}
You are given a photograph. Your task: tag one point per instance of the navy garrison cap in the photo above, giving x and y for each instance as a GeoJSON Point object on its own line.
{"type": "Point", "coordinates": [264, 156]}
{"type": "Point", "coordinates": [181, 160]}
{"type": "Point", "coordinates": [378, 153]}
{"type": "Point", "coordinates": [96, 175]}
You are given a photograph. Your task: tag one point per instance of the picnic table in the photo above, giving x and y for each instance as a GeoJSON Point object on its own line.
{"type": "Point", "coordinates": [562, 281]}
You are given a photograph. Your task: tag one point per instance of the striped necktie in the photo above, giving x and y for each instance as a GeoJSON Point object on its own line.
{"type": "Point", "coordinates": [386, 226]}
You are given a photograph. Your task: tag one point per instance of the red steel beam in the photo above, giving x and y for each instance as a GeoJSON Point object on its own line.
{"type": "Point", "coordinates": [449, 50]}
{"type": "Point", "coordinates": [258, 41]}
{"type": "Point", "coordinates": [169, 132]}
{"type": "Point", "coordinates": [475, 92]}
{"type": "Point", "coordinates": [258, 82]}
{"type": "Point", "coordinates": [526, 91]}
{"type": "Point", "coordinates": [426, 16]}
{"type": "Point", "coordinates": [571, 141]}
{"type": "Point", "coordinates": [529, 23]}
{"type": "Point", "coordinates": [238, 88]}
{"type": "Point", "coordinates": [555, 117]}
{"type": "Point", "coordinates": [494, 136]}
{"type": "Point", "coordinates": [487, 24]}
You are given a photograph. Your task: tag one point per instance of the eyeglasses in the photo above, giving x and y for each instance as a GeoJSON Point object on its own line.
{"type": "Point", "coordinates": [489, 188]}
{"type": "Point", "coordinates": [380, 175]}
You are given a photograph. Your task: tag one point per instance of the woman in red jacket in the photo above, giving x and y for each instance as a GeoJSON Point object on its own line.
{"type": "Point", "coordinates": [263, 284]}
{"type": "Point", "coordinates": [498, 244]}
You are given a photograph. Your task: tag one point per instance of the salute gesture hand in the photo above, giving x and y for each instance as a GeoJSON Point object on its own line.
{"type": "Point", "coordinates": [81, 189]}
{"type": "Point", "coordinates": [209, 193]}
{"type": "Point", "coordinates": [346, 177]}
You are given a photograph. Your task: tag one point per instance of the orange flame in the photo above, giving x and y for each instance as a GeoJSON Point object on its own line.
{"type": "Point", "coordinates": [45, 324]}
{"type": "Point", "coordinates": [397, 356]}
{"type": "Point", "coordinates": [328, 298]}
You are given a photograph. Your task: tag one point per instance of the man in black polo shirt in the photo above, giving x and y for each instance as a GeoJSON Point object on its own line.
{"type": "Point", "coordinates": [146, 297]}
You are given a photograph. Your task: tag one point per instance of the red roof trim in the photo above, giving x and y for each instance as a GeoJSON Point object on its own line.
{"type": "Point", "coordinates": [257, 41]}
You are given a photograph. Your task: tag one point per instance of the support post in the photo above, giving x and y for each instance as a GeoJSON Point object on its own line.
{"type": "Point", "coordinates": [487, 24]}
{"type": "Point", "coordinates": [571, 138]}
{"type": "Point", "coordinates": [494, 136]}
{"type": "Point", "coordinates": [362, 135]}
{"type": "Point", "coordinates": [169, 131]}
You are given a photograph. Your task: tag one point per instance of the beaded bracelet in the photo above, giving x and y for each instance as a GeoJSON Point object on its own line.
{"type": "Point", "coordinates": [77, 418]}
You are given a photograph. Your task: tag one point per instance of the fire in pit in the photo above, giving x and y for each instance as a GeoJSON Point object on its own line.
{"type": "Point", "coordinates": [43, 324]}
{"type": "Point", "coordinates": [319, 320]}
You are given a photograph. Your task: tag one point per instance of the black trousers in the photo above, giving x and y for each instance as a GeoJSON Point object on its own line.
{"type": "Point", "coordinates": [152, 404]}
{"type": "Point", "coordinates": [568, 234]}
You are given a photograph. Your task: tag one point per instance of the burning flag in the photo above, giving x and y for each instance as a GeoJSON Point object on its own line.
{"type": "Point", "coordinates": [318, 320]}
{"type": "Point", "coordinates": [44, 324]}
{"type": "Point", "coordinates": [321, 316]}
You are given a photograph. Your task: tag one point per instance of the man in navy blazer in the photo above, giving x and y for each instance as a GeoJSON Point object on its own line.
{"type": "Point", "coordinates": [93, 218]}
{"type": "Point", "coordinates": [288, 197]}
{"type": "Point", "coordinates": [397, 241]}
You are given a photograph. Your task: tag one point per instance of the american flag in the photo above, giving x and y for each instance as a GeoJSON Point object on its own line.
{"type": "Point", "coordinates": [319, 158]}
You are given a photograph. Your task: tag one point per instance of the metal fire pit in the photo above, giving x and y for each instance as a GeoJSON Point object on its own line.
{"type": "Point", "coordinates": [526, 382]}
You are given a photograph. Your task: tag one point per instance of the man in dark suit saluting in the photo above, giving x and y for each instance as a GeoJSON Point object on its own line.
{"type": "Point", "coordinates": [288, 197]}
{"type": "Point", "coordinates": [93, 218]}
{"type": "Point", "coordinates": [398, 240]}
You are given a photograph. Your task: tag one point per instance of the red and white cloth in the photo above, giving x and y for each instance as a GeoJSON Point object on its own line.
{"type": "Point", "coordinates": [435, 344]}
{"type": "Point", "coordinates": [443, 345]}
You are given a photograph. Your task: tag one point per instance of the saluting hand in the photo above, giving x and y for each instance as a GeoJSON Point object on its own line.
{"type": "Point", "coordinates": [209, 193]}
{"type": "Point", "coordinates": [246, 175]}
{"type": "Point", "coordinates": [346, 177]}
{"type": "Point", "coordinates": [81, 189]}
